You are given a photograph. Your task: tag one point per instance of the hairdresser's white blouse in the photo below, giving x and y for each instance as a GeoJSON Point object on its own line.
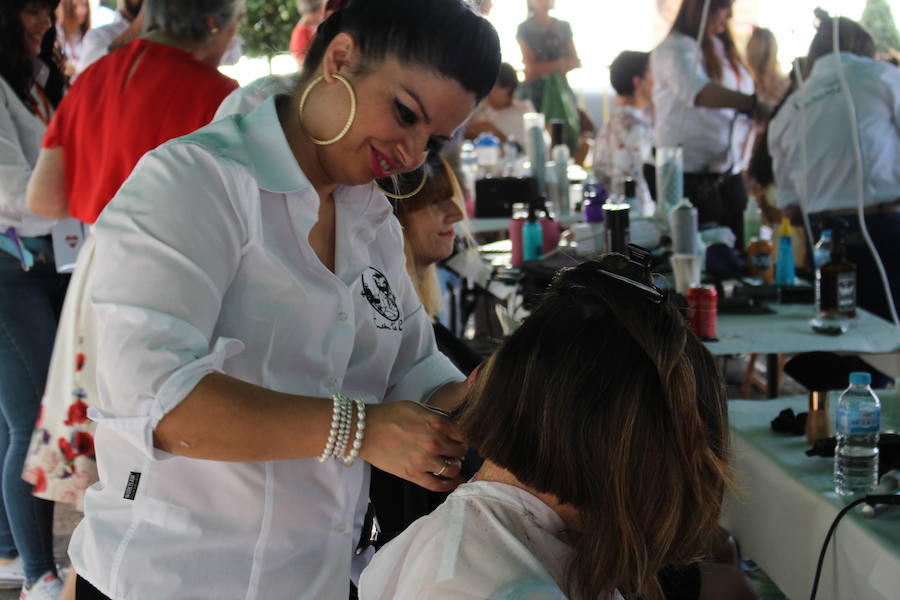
{"type": "Point", "coordinates": [705, 132]}
{"type": "Point", "coordinates": [487, 540]}
{"type": "Point", "coordinates": [875, 87]}
{"type": "Point", "coordinates": [21, 132]}
{"type": "Point", "coordinates": [203, 264]}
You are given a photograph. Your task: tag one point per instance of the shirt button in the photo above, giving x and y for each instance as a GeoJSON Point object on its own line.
{"type": "Point", "coordinates": [342, 316]}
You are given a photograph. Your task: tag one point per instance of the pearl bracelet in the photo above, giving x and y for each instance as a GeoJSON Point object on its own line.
{"type": "Point", "coordinates": [360, 432]}
{"type": "Point", "coordinates": [338, 435]}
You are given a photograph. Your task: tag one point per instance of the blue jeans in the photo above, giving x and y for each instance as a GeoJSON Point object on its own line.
{"type": "Point", "coordinates": [29, 309]}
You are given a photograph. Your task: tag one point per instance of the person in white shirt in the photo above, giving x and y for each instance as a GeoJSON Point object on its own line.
{"type": "Point", "coordinates": [625, 144]}
{"type": "Point", "coordinates": [96, 41]}
{"type": "Point", "coordinates": [602, 422]}
{"type": "Point", "coordinates": [705, 106]}
{"type": "Point", "coordinates": [257, 316]}
{"type": "Point", "coordinates": [830, 176]}
{"type": "Point", "coordinates": [501, 113]}
{"type": "Point", "coordinates": [31, 291]}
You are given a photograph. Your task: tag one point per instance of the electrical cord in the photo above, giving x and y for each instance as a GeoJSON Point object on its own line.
{"type": "Point", "coordinates": [804, 160]}
{"type": "Point", "coordinates": [893, 499]}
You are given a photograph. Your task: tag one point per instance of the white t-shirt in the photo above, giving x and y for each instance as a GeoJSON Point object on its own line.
{"type": "Point", "coordinates": [508, 120]}
{"type": "Point", "coordinates": [832, 178]}
{"type": "Point", "coordinates": [622, 148]}
{"type": "Point", "coordinates": [705, 132]}
{"type": "Point", "coordinates": [95, 44]}
{"type": "Point", "coordinates": [21, 133]}
{"type": "Point", "coordinates": [487, 540]}
{"type": "Point", "coordinates": [203, 264]}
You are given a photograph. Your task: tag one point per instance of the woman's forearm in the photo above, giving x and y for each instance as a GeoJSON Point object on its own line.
{"type": "Point", "coordinates": [541, 68]}
{"type": "Point", "coordinates": [46, 195]}
{"type": "Point", "coordinates": [227, 419]}
{"type": "Point", "coordinates": [714, 95]}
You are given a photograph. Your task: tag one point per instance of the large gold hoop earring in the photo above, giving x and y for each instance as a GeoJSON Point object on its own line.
{"type": "Point", "coordinates": [404, 196]}
{"type": "Point", "coordinates": [349, 122]}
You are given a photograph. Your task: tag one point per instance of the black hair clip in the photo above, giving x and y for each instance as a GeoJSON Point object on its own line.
{"type": "Point", "coordinates": [636, 272]}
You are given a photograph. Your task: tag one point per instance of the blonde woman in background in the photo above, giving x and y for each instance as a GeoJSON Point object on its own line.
{"type": "Point", "coordinates": [762, 59]}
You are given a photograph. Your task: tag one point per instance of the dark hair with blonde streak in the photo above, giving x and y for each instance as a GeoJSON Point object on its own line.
{"type": "Point", "coordinates": [608, 402]}
{"type": "Point", "coordinates": [688, 22]}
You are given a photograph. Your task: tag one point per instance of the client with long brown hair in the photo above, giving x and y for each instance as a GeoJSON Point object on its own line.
{"type": "Point", "coordinates": [603, 425]}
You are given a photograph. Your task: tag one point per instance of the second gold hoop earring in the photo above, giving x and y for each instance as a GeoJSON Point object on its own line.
{"type": "Point", "coordinates": [350, 119]}
{"type": "Point", "coordinates": [404, 196]}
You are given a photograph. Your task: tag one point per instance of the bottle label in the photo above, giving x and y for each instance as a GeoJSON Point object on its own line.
{"type": "Point", "coordinates": [762, 261]}
{"type": "Point", "coordinates": [858, 422]}
{"type": "Point", "coordinates": [846, 292]}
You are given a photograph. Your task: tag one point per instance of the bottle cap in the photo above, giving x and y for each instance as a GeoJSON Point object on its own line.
{"type": "Point", "coordinates": [785, 229]}
{"type": "Point", "coordinates": [487, 140]}
{"type": "Point", "coordinates": [860, 378]}
{"type": "Point", "coordinates": [557, 132]}
{"type": "Point", "coordinates": [826, 233]}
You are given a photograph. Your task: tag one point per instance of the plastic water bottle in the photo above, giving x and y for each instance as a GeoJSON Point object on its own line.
{"type": "Point", "coordinates": [468, 160]}
{"type": "Point", "coordinates": [857, 425]}
{"type": "Point", "coordinates": [487, 148]}
{"type": "Point", "coordinates": [559, 154]}
{"type": "Point", "coordinates": [822, 249]}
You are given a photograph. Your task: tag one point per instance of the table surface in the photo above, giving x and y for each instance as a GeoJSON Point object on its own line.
{"type": "Point", "coordinates": [787, 331]}
{"type": "Point", "coordinates": [784, 502]}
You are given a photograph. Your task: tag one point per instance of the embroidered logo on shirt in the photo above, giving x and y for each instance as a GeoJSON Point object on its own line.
{"type": "Point", "coordinates": [131, 487]}
{"type": "Point", "coordinates": [377, 290]}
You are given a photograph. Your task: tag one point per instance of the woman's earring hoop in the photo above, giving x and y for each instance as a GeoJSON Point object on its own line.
{"type": "Point", "coordinates": [404, 196]}
{"type": "Point", "coordinates": [349, 122]}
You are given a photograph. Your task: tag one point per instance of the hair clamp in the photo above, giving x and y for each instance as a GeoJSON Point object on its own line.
{"type": "Point", "coordinates": [636, 271]}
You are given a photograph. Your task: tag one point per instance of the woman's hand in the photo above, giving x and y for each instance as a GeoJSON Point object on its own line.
{"type": "Point", "coordinates": [413, 442]}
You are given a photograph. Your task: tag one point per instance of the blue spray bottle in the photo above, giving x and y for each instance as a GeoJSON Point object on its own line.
{"type": "Point", "coordinates": [532, 237]}
{"type": "Point", "coordinates": [785, 273]}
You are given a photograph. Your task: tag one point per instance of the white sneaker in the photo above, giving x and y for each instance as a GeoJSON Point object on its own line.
{"type": "Point", "coordinates": [48, 587]}
{"type": "Point", "coordinates": [12, 575]}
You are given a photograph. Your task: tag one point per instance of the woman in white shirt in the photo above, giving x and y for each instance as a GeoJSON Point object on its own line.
{"type": "Point", "coordinates": [31, 292]}
{"type": "Point", "coordinates": [705, 106]}
{"type": "Point", "coordinates": [602, 421]}
{"type": "Point", "coordinates": [831, 174]}
{"type": "Point", "coordinates": [257, 315]}
{"type": "Point", "coordinates": [74, 22]}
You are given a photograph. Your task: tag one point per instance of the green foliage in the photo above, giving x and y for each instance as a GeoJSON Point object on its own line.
{"type": "Point", "coordinates": [879, 21]}
{"type": "Point", "coordinates": [267, 27]}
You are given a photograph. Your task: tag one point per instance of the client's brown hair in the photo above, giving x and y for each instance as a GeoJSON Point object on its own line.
{"type": "Point", "coordinates": [607, 401]}
{"type": "Point", "coordinates": [852, 38]}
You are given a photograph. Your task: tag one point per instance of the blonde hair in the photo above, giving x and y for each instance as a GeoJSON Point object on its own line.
{"type": "Point", "coordinates": [762, 59]}
{"type": "Point", "coordinates": [441, 182]}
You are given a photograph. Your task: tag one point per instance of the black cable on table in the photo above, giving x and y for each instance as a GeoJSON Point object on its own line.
{"type": "Point", "coordinates": [879, 499]}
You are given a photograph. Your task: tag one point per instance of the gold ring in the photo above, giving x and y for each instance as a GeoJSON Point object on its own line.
{"type": "Point", "coordinates": [447, 463]}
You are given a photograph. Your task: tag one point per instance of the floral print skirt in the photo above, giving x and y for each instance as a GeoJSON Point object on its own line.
{"type": "Point", "coordinates": [60, 462]}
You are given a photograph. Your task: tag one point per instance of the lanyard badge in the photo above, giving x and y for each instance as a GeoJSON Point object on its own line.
{"type": "Point", "coordinates": [11, 244]}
